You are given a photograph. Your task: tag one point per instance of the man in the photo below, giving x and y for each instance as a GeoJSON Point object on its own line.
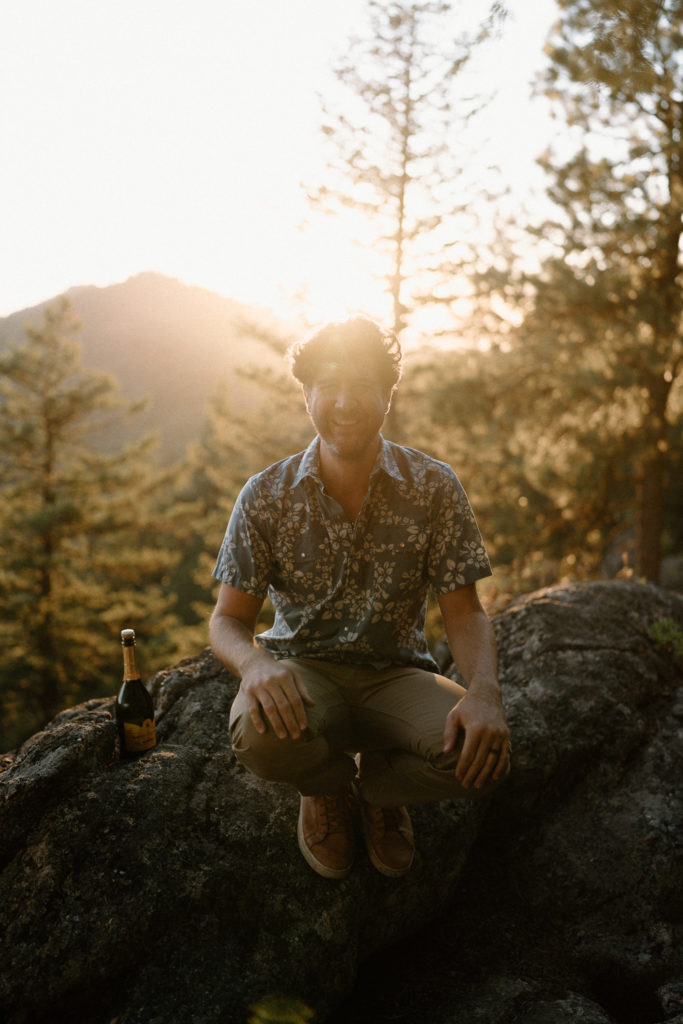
{"type": "Point", "coordinates": [341, 698]}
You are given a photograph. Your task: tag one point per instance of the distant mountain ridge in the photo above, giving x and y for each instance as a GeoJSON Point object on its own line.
{"type": "Point", "coordinates": [174, 342]}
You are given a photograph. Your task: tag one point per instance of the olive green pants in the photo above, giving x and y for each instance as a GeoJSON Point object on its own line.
{"type": "Point", "coordinates": [382, 727]}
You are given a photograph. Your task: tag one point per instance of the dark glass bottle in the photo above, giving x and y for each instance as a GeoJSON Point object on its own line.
{"type": "Point", "coordinates": [134, 705]}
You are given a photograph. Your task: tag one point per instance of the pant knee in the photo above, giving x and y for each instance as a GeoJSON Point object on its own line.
{"type": "Point", "coordinates": [310, 763]}
{"type": "Point", "coordinates": [253, 748]}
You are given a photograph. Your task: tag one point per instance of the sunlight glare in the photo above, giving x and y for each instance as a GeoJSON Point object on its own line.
{"type": "Point", "coordinates": [181, 146]}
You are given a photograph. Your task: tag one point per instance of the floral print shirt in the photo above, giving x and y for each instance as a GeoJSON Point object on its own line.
{"type": "Point", "coordinates": [352, 592]}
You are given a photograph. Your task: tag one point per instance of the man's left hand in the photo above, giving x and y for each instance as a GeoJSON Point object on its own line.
{"type": "Point", "coordinates": [486, 749]}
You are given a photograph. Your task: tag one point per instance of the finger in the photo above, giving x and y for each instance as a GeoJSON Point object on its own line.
{"type": "Point", "coordinates": [480, 757]}
{"type": "Point", "coordinates": [488, 769]}
{"type": "Point", "coordinates": [303, 691]}
{"type": "Point", "coordinates": [296, 698]}
{"type": "Point", "coordinates": [449, 735]}
{"type": "Point", "coordinates": [502, 763]}
{"type": "Point", "coordinates": [272, 714]}
{"type": "Point", "coordinates": [284, 712]}
{"type": "Point", "coordinates": [494, 764]}
{"type": "Point", "coordinates": [470, 764]}
{"type": "Point", "coordinates": [470, 760]}
{"type": "Point", "coordinates": [254, 709]}
{"type": "Point", "coordinates": [452, 728]}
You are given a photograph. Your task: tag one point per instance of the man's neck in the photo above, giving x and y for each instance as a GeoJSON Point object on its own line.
{"type": "Point", "coordinates": [347, 479]}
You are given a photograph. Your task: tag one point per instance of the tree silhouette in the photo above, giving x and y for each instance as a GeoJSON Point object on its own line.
{"type": "Point", "coordinates": [396, 150]}
{"type": "Point", "coordinates": [80, 532]}
{"type": "Point", "coordinates": [599, 352]}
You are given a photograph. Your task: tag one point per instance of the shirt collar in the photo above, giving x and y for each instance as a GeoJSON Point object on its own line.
{"type": "Point", "coordinates": [310, 462]}
{"type": "Point", "coordinates": [386, 461]}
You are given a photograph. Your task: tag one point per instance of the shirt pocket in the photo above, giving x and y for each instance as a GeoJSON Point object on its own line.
{"type": "Point", "coordinates": [301, 575]}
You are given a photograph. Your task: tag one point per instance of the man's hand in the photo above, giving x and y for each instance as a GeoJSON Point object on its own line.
{"type": "Point", "coordinates": [479, 713]}
{"type": "Point", "coordinates": [272, 690]}
{"type": "Point", "coordinates": [486, 748]}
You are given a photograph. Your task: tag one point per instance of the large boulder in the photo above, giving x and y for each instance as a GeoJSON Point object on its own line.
{"type": "Point", "coordinates": [169, 888]}
{"type": "Point", "coordinates": [571, 905]}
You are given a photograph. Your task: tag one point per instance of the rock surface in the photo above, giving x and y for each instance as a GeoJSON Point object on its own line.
{"type": "Point", "coordinates": [170, 888]}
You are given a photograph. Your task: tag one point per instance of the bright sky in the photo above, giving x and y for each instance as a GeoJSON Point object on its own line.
{"type": "Point", "coordinates": [173, 135]}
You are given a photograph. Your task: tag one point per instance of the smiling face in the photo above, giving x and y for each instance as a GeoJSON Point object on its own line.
{"type": "Point", "coordinates": [347, 404]}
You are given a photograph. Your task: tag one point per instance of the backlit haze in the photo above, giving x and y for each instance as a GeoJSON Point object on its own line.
{"type": "Point", "coordinates": [173, 136]}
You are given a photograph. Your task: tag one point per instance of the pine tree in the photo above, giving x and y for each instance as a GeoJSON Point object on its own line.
{"type": "Point", "coordinates": [82, 552]}
{"type": "Point", "coordinates": [535, 478]}
{"type": "Point", "coordinates": [397, 153]}
{"type": "Point", "coordinates": [232, 447]}
{"type": "Point", "coordinates": [599, 353]}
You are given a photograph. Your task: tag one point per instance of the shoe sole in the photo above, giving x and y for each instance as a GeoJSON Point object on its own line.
{"type": "Point", "coordinates": [312, 860]}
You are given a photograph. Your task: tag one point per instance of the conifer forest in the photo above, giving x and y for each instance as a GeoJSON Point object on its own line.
{"type": "Point", "coordinates": [549, 375]}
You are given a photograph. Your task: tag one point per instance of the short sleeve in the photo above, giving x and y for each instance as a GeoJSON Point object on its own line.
{"type": "Point", "coordinates": [457, 555]}
{"type": "Point", "coordinates": [244, 560]}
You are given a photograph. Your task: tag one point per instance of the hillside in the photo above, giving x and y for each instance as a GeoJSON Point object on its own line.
{"type": "Point", "coordinates": [170, 341]}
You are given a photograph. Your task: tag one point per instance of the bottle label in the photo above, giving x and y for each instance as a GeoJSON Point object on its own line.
{"type": "Point", "coordinates": [139, 737]}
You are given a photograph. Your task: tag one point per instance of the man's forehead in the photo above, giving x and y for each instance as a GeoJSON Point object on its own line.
{"type": "Point", "coordinates": [360, 367]}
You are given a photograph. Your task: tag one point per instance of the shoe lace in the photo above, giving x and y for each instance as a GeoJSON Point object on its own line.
{"type": "Point", "coordinates": [386, 819]}
{"type": "Point", "coordinates": [335, 812]}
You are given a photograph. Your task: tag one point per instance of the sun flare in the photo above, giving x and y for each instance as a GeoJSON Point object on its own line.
{"type": "Point", "coordinates": [195, 175]}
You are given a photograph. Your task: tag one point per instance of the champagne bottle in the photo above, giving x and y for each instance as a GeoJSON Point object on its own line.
{"type": "Point", "coordinates": [134, 705]}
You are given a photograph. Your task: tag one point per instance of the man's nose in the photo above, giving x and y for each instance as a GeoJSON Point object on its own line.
{"type": "Point", "coordinates": [345, 397]}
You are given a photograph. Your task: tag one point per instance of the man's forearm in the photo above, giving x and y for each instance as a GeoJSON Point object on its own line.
{"type": "Point", "coordinates": [233, 643]}
{"type": "Point", "coordinates": [472, 644]}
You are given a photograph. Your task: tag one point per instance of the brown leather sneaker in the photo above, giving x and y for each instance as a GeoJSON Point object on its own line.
{"type": "Point", "coordinates": [325, 833]}
{"type": "Point", "coordinates": [388, 836]}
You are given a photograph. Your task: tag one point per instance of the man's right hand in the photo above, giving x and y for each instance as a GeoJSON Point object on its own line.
{"type": "Point", "coordinates": [274, 693]}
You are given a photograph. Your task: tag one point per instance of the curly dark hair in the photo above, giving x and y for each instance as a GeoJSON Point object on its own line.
{"type": "Point", "coordinates": [348, 341]}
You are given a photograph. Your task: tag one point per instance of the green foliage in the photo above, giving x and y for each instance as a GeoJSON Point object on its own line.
{"type": "Point", "coordinates": [80, 533]}
{"type": "Point", "coordinates": [564, 426]}
{"type": "Point", "coordinates": [611, 297]}
{"type": "Point", "coordinates": [596, 361]}
{"type": "Point", "coordinates": [279, 1009]}
{"type": "Point", "coordinates": [231, 448]}
{"type": "Point", "coordinates": [468, 411]}
{"type": "Point", "coordinates": [667, 637]}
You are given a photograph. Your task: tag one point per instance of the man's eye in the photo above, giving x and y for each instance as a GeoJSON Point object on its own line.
{"type": "Point", "coordinates": [327, 386]}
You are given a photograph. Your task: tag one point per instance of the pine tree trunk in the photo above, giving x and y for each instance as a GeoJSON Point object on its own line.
{"type": "Point", "coordinates": [649, 500]}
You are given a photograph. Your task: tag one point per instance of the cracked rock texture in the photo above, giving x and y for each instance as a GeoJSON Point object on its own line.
{"type": "Point", "coordinates": [170, 888]}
